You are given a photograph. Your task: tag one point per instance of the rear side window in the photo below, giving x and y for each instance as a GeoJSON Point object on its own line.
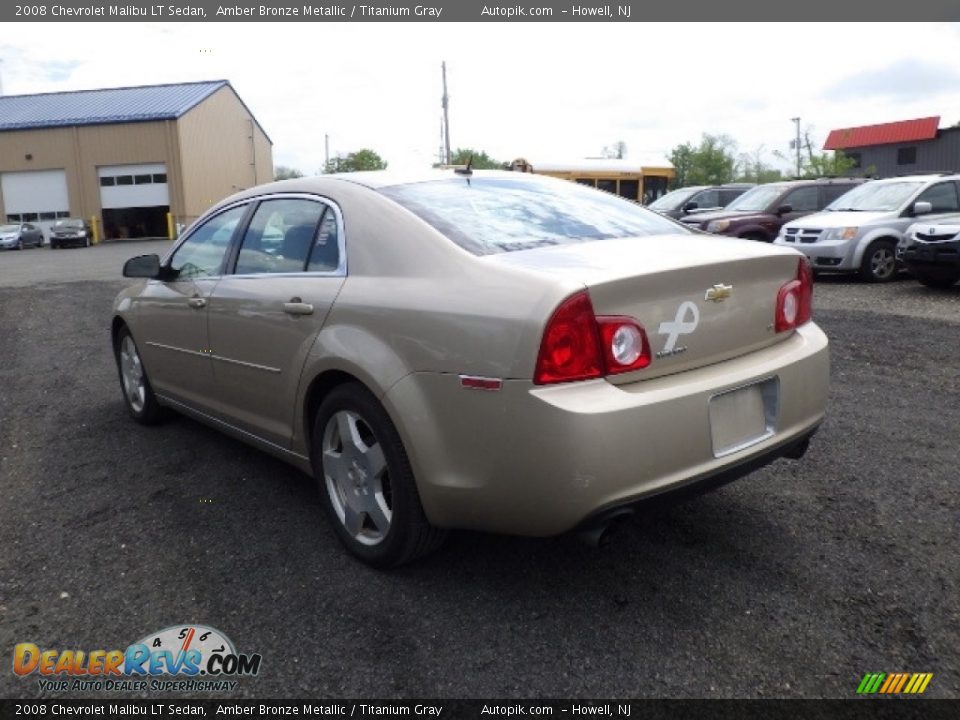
{"type": "Point", "coordinates": [494, 215]}
{"type": "Point", "coordinates": [707, 199]}
{"type": "Point", "coordinates": [279, 237]}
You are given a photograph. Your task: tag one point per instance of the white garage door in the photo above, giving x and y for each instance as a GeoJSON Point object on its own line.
{"type": "Point", "coordinates": [35, 195]}
{"type": "Point", "coordinates": [133, 186]}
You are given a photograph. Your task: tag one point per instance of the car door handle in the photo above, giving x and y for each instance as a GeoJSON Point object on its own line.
{"type": "Point", "coordinates": [297, 307]}
{"type": "Point", "coordinates": [197, 302]}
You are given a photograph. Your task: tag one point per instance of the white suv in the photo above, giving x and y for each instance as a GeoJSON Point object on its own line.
{"type": "Point", "coordinates": [860, 230]}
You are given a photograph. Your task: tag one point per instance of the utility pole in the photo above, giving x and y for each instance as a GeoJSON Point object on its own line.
{"type": "Point", "coordinates": [326, 150]}
{"type": "Point", "coordinates": [796, 121]}
{"type": "Point", "coordinates": [446, 116]}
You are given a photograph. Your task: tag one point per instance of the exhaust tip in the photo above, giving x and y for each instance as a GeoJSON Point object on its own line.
{"type": "Point", "coordinates": [597, 534]}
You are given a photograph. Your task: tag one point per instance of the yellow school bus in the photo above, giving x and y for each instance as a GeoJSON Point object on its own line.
{"type": "Point", "coordinates": [642, 182]}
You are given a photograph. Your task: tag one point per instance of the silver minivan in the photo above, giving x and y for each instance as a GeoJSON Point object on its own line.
{"type": "Point", "coordinates": [859, 231]}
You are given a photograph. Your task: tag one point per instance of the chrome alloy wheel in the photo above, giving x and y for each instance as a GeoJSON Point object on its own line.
{"type": "Point", "coordinates": [883, 263]}
{"type": "Point", "coordinates": [131, 372]}
{"type": "Point", "coordinates": [357, 477]}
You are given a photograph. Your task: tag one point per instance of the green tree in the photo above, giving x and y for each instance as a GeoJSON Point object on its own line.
{"type": "Point", "coordinates": [283, 172]}
{"type": "Point", "coordinates": [480, 160]}
{"type": "Point", "coordinates": [752, 169]}
{"type": "Point", "coordinates": [365, 159]}
{"type": "Point", "coordinates": [712, 162]}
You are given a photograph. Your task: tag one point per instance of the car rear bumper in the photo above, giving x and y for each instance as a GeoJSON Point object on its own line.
{"type": "Point", "coordinates": [535, 460]}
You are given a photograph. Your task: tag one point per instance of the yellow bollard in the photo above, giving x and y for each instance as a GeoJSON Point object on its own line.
{"type": "Point", "coordinates": [96, 229]}
{"type": "Point", "coordinates": [170, 226]}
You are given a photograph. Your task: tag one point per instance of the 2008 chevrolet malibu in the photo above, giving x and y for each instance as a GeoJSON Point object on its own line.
{"type": "Point", "coordinates": [493, 351]}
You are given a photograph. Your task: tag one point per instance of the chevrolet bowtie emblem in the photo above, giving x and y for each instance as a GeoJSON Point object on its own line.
{"type": "Point", "coordinates": [718, 293]}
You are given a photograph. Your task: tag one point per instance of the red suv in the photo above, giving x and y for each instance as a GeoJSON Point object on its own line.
{"type": "Point", "coordinates": [759, 213]}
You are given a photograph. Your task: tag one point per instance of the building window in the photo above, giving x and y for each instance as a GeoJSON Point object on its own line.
{"type": "Point", "coordinates": [13, 218]}
{"type": "Point", "coordinates": [124, 179]}
{"type": "Point", "coordinates": [907, 156]}
{"type": "Point", "coordinates": [108, 181]}
{"type": "Point", "coordinates": [159, 177]}
{"type": "Point", "coordinates": [48, 216]}
{"type": "Point", "coordinates": [142, 179]}
{"type": "Point", "coordinates": [856, 158]}
{"type": "Point", "coordinates": [63, 214]}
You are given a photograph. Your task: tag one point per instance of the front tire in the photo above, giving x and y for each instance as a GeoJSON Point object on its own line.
{"type": "Point", "coordinates": [939, 278]}
{"type": "Point", "coordinates": [137, 394]}
{"type": "Point", "coordinates": [879, 263]}
{"type": "Point", "coordinates": [366, 481]}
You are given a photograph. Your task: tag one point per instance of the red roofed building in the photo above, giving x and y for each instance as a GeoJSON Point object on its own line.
{"type": "Point", "coordinates": [899, 148]}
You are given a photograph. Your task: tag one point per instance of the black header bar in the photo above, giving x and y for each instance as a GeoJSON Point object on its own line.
{"type": "Point", "coordinates": [477, 11]}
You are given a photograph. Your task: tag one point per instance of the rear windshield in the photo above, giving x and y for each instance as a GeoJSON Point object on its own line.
{"type": "Point", "coordinates": [486, 216]}
{"type": "Point", "coordinates": [673, 199]}
{"type": "Point", "coordinates": [72, 222]}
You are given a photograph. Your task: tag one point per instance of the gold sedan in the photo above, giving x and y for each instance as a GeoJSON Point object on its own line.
{"type": "Point", "coordinates": [495, 351]}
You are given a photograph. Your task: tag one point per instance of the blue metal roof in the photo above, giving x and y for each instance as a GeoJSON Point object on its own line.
{"type": "Point", "coordinates": [99, 107]}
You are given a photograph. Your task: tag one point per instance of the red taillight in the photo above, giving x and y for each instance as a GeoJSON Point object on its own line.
{"type": "Point", "coordinates": [795, 300]}
{"type": "Point", "coordinates": [578, 345]}
{"type": "Point", "coordinates": [570, 349]}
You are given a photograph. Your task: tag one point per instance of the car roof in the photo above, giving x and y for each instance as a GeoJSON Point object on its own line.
{"type": "Point", "coordinates": [928, 177]}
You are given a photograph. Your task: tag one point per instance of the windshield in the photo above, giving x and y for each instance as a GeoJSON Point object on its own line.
{"type": "Point", "coordinates": [876, 197]}
{"type": "Point", "coordinates": [494, 215]}
{"type": "Point", "coordinates": [756, 199]}
{"type": "Point", "coordinates": [673, 199]}
{"type": "Point", "coordinates": [9, 228]}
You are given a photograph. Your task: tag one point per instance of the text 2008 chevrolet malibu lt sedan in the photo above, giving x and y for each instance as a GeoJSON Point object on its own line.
{"type": "Point", "coordinates": [493, 351]}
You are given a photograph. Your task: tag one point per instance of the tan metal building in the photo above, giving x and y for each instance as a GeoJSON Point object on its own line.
{"type": "Point", "coordinates": [136, 161]}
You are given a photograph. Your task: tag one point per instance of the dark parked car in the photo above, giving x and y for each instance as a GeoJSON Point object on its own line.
{"type": "Point", "coordinates": [17, 236]}
{"type": "Point", "coordinates": [697, 198]}
{"type": "Point", "coordinates": [931, 251]}
{"type": "Point", "coordinates": [759, 213]}
{"type": "Point", "coordinates": [71, 231]}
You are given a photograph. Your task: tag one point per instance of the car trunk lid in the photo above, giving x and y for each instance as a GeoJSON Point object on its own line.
{"type": "Point", "coordinates": [701, 301]}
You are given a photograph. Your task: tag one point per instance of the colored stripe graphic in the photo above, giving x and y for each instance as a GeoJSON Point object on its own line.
{"type": "Point", "coordinates": [894, 683]}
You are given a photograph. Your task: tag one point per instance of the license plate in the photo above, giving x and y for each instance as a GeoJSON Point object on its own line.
{"type": "Point", "coordinates": [743, 417]}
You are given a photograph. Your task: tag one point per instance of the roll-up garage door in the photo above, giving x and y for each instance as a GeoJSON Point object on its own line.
{"type": "Point", "coordinates": [135, 200]}
{"type": "Point", "coordinates": [38, 196]}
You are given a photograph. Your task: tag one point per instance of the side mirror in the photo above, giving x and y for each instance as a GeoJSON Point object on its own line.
{"type": "Point", "coordinates": [142, 266]}
{"type": "Point", "coordinates": [784, 209]}
{"type": "Point", "coordinates": [692, 205]}
{"type": "Point", "coordinates": [922, 208]}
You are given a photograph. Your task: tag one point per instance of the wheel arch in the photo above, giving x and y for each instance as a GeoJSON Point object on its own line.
{"type": "Point", "coordinates": [869, 239]}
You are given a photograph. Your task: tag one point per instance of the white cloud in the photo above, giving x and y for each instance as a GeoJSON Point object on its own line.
{"type": "Point", "coordinates": [552, 90]}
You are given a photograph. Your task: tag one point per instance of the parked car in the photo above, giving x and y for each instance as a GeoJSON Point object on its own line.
{"type": "Point", "coordinates": [758, 214]}
{"type": "Point", "coordinates": [860, 231]}
{"type": "Point", "coordinates": [931, 251]}
{"type": "Point", "coordinates": [17, 236]}
{"type": "Point", "coordinates": [487, 350]}
{"type": "Point", "coordinates": [70, 231]}
{"type": "Point", "coordinates": [698, 198]}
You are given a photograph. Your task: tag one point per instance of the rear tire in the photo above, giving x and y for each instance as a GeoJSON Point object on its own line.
{"type": "Point", "coordinates": [939, 278]}
{"type": "Point", "coordinates": [879, 264]}
{"type": "Point", "coordinates": [366, 482]}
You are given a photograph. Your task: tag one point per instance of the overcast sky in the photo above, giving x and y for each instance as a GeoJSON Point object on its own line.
{"type": "Point", "coordinates": [550, 91]}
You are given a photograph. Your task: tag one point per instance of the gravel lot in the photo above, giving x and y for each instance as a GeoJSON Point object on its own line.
{"type": "Point", "coordinates": [793, 582]}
